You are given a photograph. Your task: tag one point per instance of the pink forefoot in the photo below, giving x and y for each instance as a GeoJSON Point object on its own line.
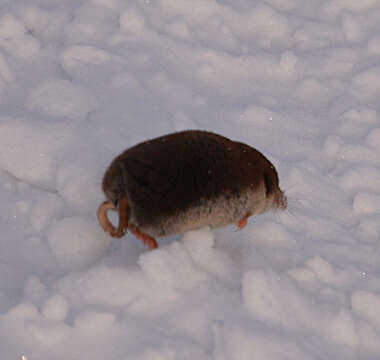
{"type": "Point", "coordinates": [243, 222]}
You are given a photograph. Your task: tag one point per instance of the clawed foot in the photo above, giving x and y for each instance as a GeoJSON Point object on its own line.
{"type": "Point", "coordinates": [242, 223]}
{"type": "Point", "coordinates": [123, 223]}
{"type": "Point", "coordinates": [103, 218]}
{"type": "Point", "coordinates": [146, 239]}
{"type": "Point", "coordinates": [123, 218]}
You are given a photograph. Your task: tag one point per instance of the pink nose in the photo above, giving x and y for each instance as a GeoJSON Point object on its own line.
{"type": "Point", "coordinates": [280, 200]}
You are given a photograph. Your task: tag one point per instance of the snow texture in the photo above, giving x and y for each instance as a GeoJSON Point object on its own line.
{"type": "Point", "coordinates": [82, 80]}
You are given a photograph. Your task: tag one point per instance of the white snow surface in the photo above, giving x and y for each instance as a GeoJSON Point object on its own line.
{"type": "Point", "coordinates": [82, 80]}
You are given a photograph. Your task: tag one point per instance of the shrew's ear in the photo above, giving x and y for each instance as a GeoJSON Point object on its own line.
{"type": "Point", "coordinates": [269, 182]}
{"type": "Point", "coordinates": [147, 176]}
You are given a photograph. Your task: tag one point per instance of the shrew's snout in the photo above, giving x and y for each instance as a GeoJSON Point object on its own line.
{"type": "Point", "coordinates": [280, 200]}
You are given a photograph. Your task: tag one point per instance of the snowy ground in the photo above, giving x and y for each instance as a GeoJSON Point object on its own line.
{"type": "Point", "coordinates": [80, 81]}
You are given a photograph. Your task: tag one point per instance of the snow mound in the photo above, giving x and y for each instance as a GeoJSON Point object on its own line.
{"type": "Point", "coordinates": [30, 149]}
{"type": "Point", "coordinates": [75, 242]}
{"type": "Point", "coordinates": [14, 38]}
{"type": "Point", "coordinates": [61, 98]}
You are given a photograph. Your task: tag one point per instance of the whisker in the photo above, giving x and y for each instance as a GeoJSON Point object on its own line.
{"type": "Point", "coordinates": [277, 216]}
{"type": "Point", "coordinates": [285, 215]}
{"type": "Point", "coordinates": [289, 187]}
{"type": "Point", "coordinates": [288, 212]}
{"type": "Point", "coordinates": [295, 198]}
{"type": "Point", "coordinates": [288, 218]}
{"type": "Point", "coordinates": [298, 201]}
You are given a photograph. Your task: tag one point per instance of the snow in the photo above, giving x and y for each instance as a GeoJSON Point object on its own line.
{"type": "Point", "coordinates": [60, 98]}
{"type": "Point", "coordinates": [55, 308]}
{"type": "Point", "coordinates": [15, 39]}
{"type": "Point", "coordinates": [80, 81]}
{"type": "Point", "coordinates": [84, 244]}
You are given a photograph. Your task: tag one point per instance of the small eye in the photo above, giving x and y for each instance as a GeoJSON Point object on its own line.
{"type": "Point", "coordinates": [268, 184]}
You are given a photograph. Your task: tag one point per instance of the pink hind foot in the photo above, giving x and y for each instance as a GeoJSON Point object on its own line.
{"type": "Point", "coordinates": [123, 217]}
{"type": "Point", "coordinates": [146, 239]}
